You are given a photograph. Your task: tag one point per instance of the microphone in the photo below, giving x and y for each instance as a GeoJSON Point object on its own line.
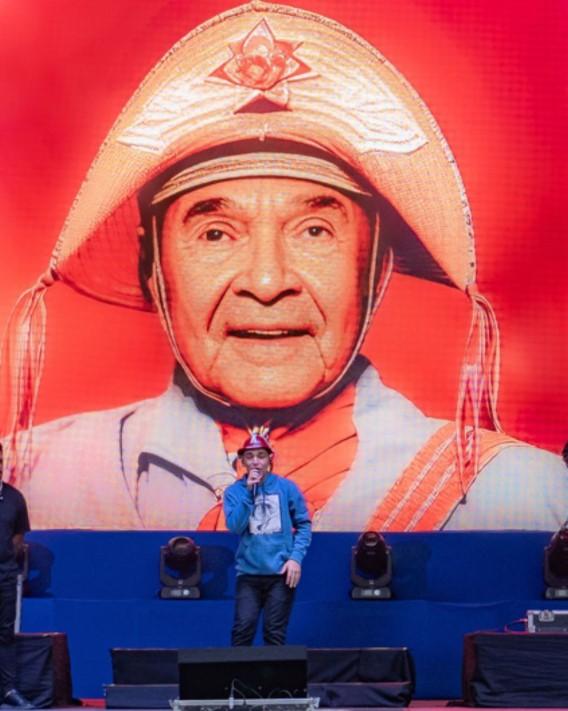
{"type": "Point", "coordinates": [255, 485]}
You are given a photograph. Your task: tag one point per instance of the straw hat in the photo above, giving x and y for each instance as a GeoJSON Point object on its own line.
{"type": "Point", "coordinates": [268, 71]}
{"type": "Point", "coordinates": [264, 72]}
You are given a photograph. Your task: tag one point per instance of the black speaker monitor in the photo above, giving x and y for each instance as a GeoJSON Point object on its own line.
{"type": "Point", "coordinates": [243, 672]}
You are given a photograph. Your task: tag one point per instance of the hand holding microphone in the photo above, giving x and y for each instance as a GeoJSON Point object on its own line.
{"type": "Point", "coordinates": [253, 480]}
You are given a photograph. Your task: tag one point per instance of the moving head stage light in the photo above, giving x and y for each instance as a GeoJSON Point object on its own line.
{"type": "Point", "coordinates": [180, 569]}
{"type": "Point", "coordinates": [556, 565]}
{"type": "Point", "coordinates": [371, 568]}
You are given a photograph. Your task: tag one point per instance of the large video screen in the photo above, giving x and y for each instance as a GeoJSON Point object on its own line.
{"type": "Point", "coordinates": [344, 223]}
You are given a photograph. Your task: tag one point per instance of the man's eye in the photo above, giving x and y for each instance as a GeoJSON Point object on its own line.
{"type": "Point", "coordinates": [316, 231]}
{"type": "Point", "coordinates": [214, 235]}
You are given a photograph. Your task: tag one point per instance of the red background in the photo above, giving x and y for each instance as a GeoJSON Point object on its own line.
{"type": "Point", "coordinates": [493, 74]}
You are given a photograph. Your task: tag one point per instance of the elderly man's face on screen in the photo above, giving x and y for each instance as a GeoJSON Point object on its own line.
{"type": "Point", "coordinates": [266, 280]}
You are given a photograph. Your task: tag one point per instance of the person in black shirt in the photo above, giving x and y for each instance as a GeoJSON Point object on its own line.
{"type": "Point", "coordinates": [14, 524]}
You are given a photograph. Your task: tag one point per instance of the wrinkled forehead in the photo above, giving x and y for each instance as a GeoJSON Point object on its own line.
{"type": "Point", "coordinates": [264, 198]}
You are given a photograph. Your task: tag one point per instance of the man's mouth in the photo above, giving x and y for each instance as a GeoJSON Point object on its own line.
{"type": "Point", "coordinates": [268, 334]}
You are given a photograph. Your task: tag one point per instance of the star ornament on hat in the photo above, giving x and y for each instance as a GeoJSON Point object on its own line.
{"type": "Point", "coordinates": [248, 65]}
{"type": "Point", "coordinates": [264, 64]}
{"type": "Point", "coordinates": [322, 88]}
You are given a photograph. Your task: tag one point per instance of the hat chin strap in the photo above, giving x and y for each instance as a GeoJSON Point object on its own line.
{"type": "Point", "coordinates": [21, 367]}
{"type": "Point", "coordinates": [376, 286]}
{"type": "Point", "coordinates": [479, 387]}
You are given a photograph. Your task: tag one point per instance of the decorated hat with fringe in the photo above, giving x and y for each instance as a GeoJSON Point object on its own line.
{"type": "Point", "coordinates": [257, 439]}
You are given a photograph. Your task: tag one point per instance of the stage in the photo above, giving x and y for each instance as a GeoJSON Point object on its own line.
{"type": "Point", "coordinates": [101, 589]}
{"type": "Point", "coordinates": [418, 705]}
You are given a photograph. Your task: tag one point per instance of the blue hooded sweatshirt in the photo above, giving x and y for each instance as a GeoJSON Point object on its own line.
{"type": "Point", "coordinates": [274, 526]}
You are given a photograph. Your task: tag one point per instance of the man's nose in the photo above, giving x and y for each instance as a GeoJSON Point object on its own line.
{"type": "Point", "coordinates": [266, 274]}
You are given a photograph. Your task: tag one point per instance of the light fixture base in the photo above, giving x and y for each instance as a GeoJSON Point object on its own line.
{"type": "Point", "coordinates": [383, 593]}
{"type": "Point", "coordinates": [180, 593]}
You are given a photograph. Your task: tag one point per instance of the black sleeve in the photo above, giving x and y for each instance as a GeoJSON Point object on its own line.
{"type": "Point", "coordinates": [22, 522]}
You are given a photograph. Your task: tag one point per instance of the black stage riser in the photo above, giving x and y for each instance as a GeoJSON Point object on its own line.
{"type": "Point", "coordinates": [160, 666]}
{"type": "Point", "coordinates": [516, 670]}
{"type": "Point", "coordinates": [140, 696]}
{"type": "Point", "coordinates": [148, 678]}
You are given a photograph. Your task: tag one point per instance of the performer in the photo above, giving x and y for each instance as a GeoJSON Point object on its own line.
{"type": "Point", "coordinates": [14, 524]}
{"type": "Point", "coordinates": [270, 515]}
{"type": "Point", "coordinates": [257, 192]}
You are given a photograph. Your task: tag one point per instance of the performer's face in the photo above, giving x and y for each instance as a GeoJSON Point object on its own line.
{"type": "Point", "coordinates": [258, 459]}
{"type": "Point", "coordinates": [265, 280]}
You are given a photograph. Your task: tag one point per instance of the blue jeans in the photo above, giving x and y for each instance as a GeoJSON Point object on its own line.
{"type": "Point", "coordinates": [256, 594]}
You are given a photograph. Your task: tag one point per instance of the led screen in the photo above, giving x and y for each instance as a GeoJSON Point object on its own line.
{"type": "Point", "coordinates": [322, 234]}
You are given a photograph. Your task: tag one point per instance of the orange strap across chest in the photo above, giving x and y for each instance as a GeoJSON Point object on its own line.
{"type": "Point", "coordinates": [428, 490]}
{"type": "Point", "coordinates": [317, 454]}
{"type": "Point", "coordinates": [421, 499]}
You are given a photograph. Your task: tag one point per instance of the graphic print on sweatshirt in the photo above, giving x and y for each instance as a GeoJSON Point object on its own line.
{"type": "Point", "coordinates": [265, 517]}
